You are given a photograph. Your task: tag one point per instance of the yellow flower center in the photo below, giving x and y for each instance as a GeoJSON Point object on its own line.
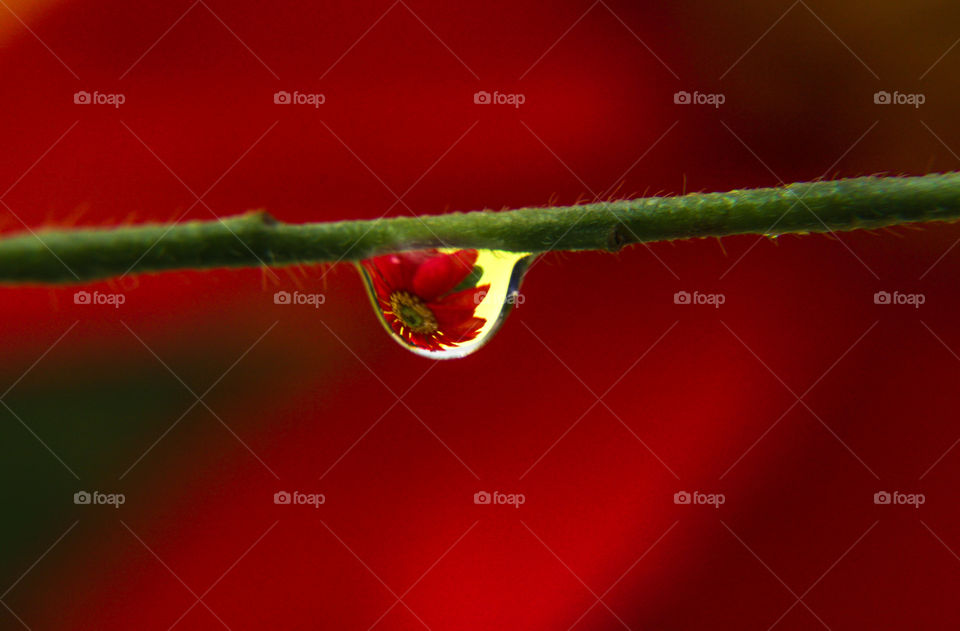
{"type": "Point", "coordinates": [413, 313]}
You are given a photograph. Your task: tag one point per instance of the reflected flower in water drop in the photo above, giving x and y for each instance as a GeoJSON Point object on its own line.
{"type": "Point", "coordinates": [421, 297]}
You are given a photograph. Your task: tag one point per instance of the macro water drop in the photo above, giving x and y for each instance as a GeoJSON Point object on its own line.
{"type": "Point", "coordinates": [444, 303]}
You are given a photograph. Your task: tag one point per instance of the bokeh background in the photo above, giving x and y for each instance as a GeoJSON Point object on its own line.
{"type": "Point", "coordinates": [199, 398]}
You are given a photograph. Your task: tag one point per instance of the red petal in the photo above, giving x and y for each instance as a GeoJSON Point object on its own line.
{"type": "Point", "coordinates": [465, 331]}
{"type": "Point", "coordinates": [468, 329]}
{"type": "Point", "coordinates": [422, 341]}
{"type": "Point", "coordinates": [441, 273]}
{"type": "Point", "coordinates": [394, 323]}
{"type": "Point", "coordinates": [465, 300]}
{"type": "Point", "coordinates": [380, 287]}
{"type": "Point", "coordinates": [396, 270]}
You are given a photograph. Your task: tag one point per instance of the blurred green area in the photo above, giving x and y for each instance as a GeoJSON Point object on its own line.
{"type": "Point", "coordinates": [90, 417]}
{"type": "Point", "coordinates": [82, 423]}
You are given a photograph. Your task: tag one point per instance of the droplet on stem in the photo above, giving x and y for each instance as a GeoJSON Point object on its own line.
{"type": "Point", "coordinates": [444, 303]}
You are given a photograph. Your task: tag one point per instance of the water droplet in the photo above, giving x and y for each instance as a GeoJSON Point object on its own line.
{"type": "Point", "coordinates": [444, 303]}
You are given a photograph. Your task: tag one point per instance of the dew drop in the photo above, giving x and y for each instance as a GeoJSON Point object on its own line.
{"type": "Point", "coordinates": [444, 303]}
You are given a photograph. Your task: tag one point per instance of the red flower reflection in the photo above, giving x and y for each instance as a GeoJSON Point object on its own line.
{"type": "Point", "coordinates": [414, 291]}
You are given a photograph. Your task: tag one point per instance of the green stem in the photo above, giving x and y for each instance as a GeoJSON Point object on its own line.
{"type": "Point", "coordinates": [255, 238]}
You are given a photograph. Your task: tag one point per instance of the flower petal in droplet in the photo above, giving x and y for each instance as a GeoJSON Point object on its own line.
{"type": "Point", "coordinates": [427, 304]}
{"type": "Point", "coordinates": [438, 275]}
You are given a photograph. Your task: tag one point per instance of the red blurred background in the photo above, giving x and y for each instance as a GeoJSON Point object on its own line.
{"type": "Point", "coordinates": [798, 399]}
